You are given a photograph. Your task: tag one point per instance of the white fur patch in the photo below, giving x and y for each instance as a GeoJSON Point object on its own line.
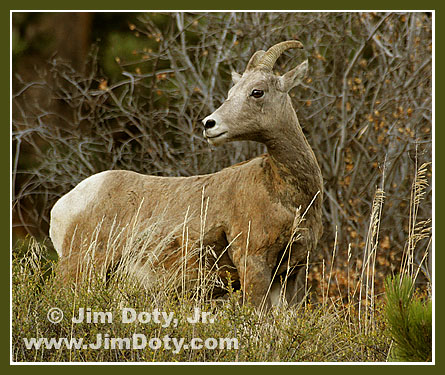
{"type": "Point", "coordinates": [70, 205]}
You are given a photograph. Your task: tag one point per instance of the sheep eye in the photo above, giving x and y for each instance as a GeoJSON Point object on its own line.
{"type": "Point", "coordinates": [257, 93]}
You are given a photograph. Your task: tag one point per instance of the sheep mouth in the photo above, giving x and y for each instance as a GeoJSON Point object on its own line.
{"type": "Point", "coordinates": [216, 136]}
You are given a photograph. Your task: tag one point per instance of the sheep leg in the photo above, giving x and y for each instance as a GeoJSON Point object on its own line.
{"type": "Point", "coordinates": [295, 288]}
{"type": "Point", "coordinates": [255, 277]}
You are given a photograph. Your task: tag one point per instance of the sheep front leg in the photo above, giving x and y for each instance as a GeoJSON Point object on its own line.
{"type": "Point", "coordinates": [255, 277]}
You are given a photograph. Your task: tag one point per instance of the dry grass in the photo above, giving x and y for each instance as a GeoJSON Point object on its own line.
{"type": "Point", "coordinates": [327, 325]}
{"type": "Point", "coordinates": [306, 332]}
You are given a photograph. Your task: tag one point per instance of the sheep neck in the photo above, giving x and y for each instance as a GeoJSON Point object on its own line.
{"type": "Point", "coordinates": [294, 174]}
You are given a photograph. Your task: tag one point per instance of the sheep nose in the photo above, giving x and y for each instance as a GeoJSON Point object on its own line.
{"type": "Point", "coordinates": [210, 123]}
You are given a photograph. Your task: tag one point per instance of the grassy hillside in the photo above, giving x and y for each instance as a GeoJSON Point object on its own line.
{"type": "Point", "coordinates": [313, 331]}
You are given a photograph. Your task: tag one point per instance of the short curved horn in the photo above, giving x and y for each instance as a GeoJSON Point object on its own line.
{"type": "Point", "coordinates": [273, 53]}
{"type": "Point", "coordinates": [256, 57]}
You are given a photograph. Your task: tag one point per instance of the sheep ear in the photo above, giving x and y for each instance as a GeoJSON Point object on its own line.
{"type": "Point", "coordinates": [236, 77]}
{"type": "Point", "coordinates": [293, 77]}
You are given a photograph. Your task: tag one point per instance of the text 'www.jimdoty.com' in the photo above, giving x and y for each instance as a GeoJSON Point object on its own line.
{"type": "Point", "coordinates": [136, 341]}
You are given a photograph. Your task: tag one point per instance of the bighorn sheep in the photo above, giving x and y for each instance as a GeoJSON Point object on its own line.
{"type": "Point", "coordinates": [252, 206]}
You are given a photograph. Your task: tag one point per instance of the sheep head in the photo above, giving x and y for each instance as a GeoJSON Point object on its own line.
{"type": "Point", "coordinates": [258, 103]}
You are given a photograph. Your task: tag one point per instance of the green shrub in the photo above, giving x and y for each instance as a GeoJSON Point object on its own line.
{"type": "Point", "coordinates": [410, 321]}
